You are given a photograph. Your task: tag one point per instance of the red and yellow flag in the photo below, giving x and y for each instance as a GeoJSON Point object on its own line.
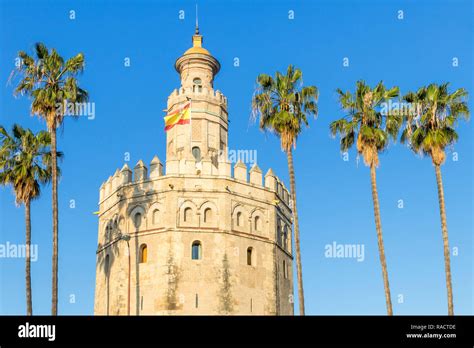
{"type": "Point", "coordinates": [182, 115]}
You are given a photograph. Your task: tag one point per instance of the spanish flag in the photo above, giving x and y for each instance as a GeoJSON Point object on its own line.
{"type": "Point", "coordinates": [182, 115]}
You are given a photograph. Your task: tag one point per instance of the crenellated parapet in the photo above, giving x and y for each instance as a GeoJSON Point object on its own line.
{"type": "Point", "coordinates": [156, 168]}
{"type": "Point", "coordinates": [140, 172]}
{"type": "Point", "coordinates": [126, 174]}
{"type": "Point", "coordinates": [240, 174]}
{"type": "Point", "coordinates": [183, 94]}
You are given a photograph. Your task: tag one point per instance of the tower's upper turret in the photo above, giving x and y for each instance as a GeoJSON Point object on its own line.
{"type": "Point", "coordinates": [199, 147]}
{"type": "Point", "coordinates": [197, 66]}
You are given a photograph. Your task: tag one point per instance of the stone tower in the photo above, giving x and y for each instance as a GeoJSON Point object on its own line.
{"type": "Point", "coordinates": [201, 146]}
{"type": "Point", "coordinates": [200, 239]}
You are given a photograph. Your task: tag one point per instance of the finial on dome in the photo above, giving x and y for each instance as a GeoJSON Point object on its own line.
{"type": "Point", "coordinates": [197, 42]}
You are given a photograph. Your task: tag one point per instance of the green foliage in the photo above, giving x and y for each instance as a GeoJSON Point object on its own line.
{"type": "Point", "coordinates": [51, 82]}
{"type": "Point", "coordinates": [365, 124]}
{"type": "Point", "coordinates": [283, 104]}
{"type": "Point", "coordinates": [430, 129]}
{"type": "Point", "coordinates": [25, 161]}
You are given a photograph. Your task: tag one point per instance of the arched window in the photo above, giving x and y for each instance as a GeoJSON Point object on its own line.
{"type": "Point", "coordinates": [285, 270]}
{"type": "Point", "coordinates": [239, 219]}
{"type": "Point", "coordinates": [279, 234]}
{"type": "Point", "coordinates": [107, 265]}
{"type": "Point", "coordinates": [197, 85]}
{"type": "Point", "coordinates": [143, 253]}
{"type": "Point", "coordinates": [196, 250]}
{"type": "Point", "coordinates": [207, 215]}
{"type": "Point", "coordinates": [137, 220]}
{"type": "Point", "coordinates": [170, 146]}
{"type": "Point", "coordinates": [257, 223]}
{"type": "Point", "coordinates": [249, 256]}
{"type": "Point", "coordinates": [187, 215]}
{"type": "Point", "coordinates": [108, 232]}
{"type": "Point", "coordinates": [196, 153]}
{"type": "Point", "coordinates": [155, 216]}
{"type": "Point", "coordinates": [285, 238]}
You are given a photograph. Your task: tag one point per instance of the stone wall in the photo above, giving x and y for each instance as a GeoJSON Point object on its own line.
{"type": "Point", "coordinates": [226, 214]}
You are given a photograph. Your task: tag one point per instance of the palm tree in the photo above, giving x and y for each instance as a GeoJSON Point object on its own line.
{"type": "Point", "coordinates": [283, 105]}
{"type": "Point", "coordinates": [50, 82]}
{"type": "Point", "coordinates": [366, 125]}
{"type": "Point", "coordinates": [25, 163]}
{"type": "Point", "coordinates": [429, 130]}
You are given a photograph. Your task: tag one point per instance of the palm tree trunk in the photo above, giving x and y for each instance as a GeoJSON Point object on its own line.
{"type": "Point", "coordinates": [299, 269]}
{"type": "Point", "coordinates": [54, 308]}
{"type": "Point", "coordinates": [29, 302]}
{"type": "Point", "coordinates": [444, 229]}
{"type": "Point", "coordinates": [378, 226]}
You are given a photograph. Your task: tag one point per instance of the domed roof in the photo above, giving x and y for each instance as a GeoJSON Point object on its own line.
{"type": "Point", "coordinates": [197, 45]}
{"type": "Point", "coordinates": [197, 52]}
{"type": "Point", "coordinates": [200, 50]}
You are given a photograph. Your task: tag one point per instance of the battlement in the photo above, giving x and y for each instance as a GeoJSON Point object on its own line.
{"type": "Point", "coordinates": [140, 174]}
{"type": "Point", "coordinates": [208, 94]}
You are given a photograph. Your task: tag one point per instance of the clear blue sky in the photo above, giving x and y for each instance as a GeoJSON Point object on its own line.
{"type": "Point", "coordinates": [334, 197]}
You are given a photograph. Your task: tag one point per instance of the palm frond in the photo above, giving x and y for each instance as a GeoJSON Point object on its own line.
{"type": "Point", "coordinates": [438, 113]}
{"type": "Point", "coordinates": [365, 122]}
{"type": "Point", "coordinates": [283, 105]}
{"type": "Point", "coordinates": [22, 158]}
{"type": "Point", "coordinates": [50, 81]}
